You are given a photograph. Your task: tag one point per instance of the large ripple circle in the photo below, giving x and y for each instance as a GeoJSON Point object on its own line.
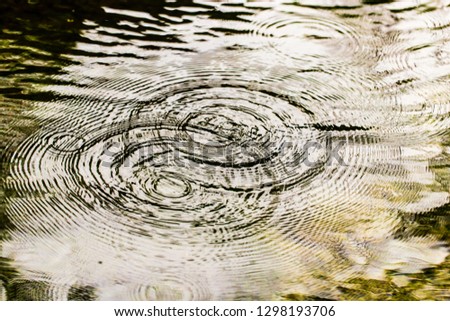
{"type": "Point", "coordinates": [200, 181]}
{"type": "Point", "coordinates": [190, 155]}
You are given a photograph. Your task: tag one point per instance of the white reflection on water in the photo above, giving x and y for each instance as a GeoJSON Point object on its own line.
{"type": "Point", "coordinates": [214, 226]}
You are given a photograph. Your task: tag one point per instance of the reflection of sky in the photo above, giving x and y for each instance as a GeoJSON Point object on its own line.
{"type": "Point", "coordinates": [382, 85]}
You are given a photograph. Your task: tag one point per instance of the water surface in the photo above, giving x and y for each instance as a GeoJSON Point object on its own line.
{"type": "Point", "coordinates": [225, 151]}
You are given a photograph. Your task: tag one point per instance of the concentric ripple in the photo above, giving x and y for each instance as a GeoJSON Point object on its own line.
{"type": "Point", "coordinates": [184, 162]}
{"type": "Point", "coordinates": [194, 156]}
{"type": "Point", "coordinates": [192, 177]}
{"type": "Point", "coordinates": [230, 152]}
{"type": "Point", "coordinates": [312, 38]}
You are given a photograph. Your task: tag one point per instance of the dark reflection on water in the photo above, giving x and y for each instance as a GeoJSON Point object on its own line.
{"type": "Point", "coordinates": [197, 151]}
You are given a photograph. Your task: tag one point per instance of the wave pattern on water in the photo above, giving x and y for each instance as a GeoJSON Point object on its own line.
{"type": "Point", "coordinates": [207, 151]}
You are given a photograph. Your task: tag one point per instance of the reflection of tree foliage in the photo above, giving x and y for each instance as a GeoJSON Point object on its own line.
{"type": "Point", "coordinates": [37, 36]}
{"type": "Point", "coordinates": [430, 284]}
{"type": "Point", "coordinates": [26, 290]}
{"type": "Point", "coordinates": [35, 39]}
{"type": "Point", "coordinates": [7, 274]}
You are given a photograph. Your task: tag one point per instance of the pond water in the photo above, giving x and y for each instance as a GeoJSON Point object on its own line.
{"type": "Point", "coordinates": [225, 151]}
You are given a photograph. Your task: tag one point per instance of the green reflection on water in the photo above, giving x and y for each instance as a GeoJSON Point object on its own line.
{"type": "Point", "coordinates": [30, 60]}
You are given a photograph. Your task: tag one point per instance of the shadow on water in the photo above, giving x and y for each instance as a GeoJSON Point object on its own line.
{"type": "Point", "coordinates": [121, 73]}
